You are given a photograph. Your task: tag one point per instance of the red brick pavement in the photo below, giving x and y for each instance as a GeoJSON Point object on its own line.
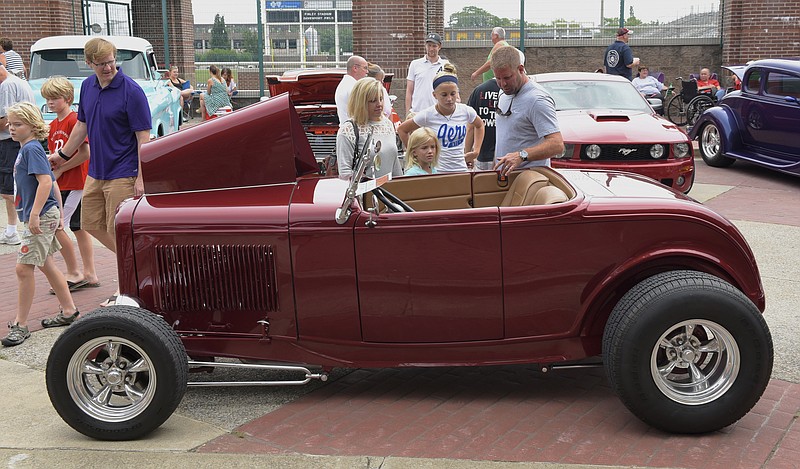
{"type": "Point", "coordinates": [45, 304]}
{"type": "Point", "coordinates": [759, 194]}
{"type": "Point", "coordinates": [510, 413]}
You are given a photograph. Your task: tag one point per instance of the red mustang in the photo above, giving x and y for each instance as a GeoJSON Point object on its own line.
{"type": "Point", "coordinates": [255, 257]}
{"type": "Point", "coordinates": [607, 124]}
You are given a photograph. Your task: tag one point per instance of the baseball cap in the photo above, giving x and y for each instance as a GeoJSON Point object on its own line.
{"type": "Point", "coordinates": [433, 37]}
{"type": "Point", "coordinates": [623, 31]}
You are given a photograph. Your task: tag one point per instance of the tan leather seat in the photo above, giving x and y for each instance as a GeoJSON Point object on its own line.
{"type": "Point", "coordinates": [548, 195]}
{"type": "Point", "coordinates": [524, 188]}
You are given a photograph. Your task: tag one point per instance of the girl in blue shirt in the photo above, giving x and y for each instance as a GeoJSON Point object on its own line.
{"type": "Point", "coordinates": [422, 156]}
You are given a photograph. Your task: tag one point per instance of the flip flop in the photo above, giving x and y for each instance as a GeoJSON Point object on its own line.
{"type": "Point", "coordinates": [84, 284]}
{"type": "Point", "coordinates": [73, 286]}
{"type": "Point", "coordinates": [111, 301]}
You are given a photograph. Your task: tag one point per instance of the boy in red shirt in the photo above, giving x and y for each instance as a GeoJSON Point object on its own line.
{"type": "Point", "coordinates": [71, 176]}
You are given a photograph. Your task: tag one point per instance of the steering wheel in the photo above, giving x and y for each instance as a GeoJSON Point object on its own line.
{"type": "Point", "coordinates": [391, 201]}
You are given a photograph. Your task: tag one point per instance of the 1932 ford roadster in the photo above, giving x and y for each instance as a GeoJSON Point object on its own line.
{"type": "Point", "coordinates": [250, 256]}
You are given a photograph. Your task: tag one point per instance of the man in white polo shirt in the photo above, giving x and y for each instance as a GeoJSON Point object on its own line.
{"type": "Point", "coordinates": [356, 70]}
{"type": "Point", "coordinates": [421, 73]}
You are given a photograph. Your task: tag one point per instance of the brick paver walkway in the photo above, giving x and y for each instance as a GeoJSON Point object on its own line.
{"type": "Point", "coordinates": [509, 413]}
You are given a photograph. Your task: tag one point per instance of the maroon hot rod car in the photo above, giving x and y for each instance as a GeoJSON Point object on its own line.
{"type": "Point", "coordinates": [256, 258]}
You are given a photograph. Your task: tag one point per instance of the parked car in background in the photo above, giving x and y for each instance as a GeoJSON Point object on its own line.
{"type": "Point", "coordinates": [760, 123]}
{"type": "Point", "coordinates": [63, 55]}
{"type": "Point", "coordinates": [313, 94]}
{"type": "Point", "coordinates": [607, 124]}
{"type": "Point", "coordinates": [255, 257]}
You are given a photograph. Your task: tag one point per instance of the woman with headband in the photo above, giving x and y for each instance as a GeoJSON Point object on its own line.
{"type": "Point", "coordinates": [449, 120]}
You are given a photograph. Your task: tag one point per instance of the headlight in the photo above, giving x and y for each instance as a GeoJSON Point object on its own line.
{"type": "Point", "coordinates": [681, 150]}
{"type": "Point", "coordinates": [593, 151]}
{"type": "Point", "coordinates": [657, 151]}
{"type": "Point", "coordinates": [569, 149]}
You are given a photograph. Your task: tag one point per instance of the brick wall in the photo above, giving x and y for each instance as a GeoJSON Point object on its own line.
{"type": "Point", "coordinates": [674, 61]}
{"type": "Point", "coordinates": [760, 29]}
{"type": "Point", "coordinates": [392, 34]}
{"type": "Point", "coordinates": [147, 24]}
{"type": "Point", "coordinates": [25, 22]}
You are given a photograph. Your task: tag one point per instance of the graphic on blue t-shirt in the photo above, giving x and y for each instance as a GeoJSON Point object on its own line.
{"type": "Point", "coordinates": [612, 58]}
{"type": "Point", "coordinates": [452, 136]}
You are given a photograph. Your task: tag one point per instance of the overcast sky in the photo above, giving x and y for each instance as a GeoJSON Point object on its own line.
{"type": "Point", "coordinates": [539, 11]}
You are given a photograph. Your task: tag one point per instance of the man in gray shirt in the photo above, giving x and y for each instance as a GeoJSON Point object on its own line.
{"type": "Point", "coordinates": [12, 91]}
{"type": "Point", "coordinates": [527, 128]}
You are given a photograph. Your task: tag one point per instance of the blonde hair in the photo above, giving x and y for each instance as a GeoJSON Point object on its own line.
{"type": "Point", "coordinates": [58, 87]}
{"type": "Point", "coordinates": [374, 71]}
{"type": "Point", "coordinates": [366, 89]}
{"type": "Point", "coordinates": [98, 48]}
{"type": "Point", "coordinates": [506, 57]}
{"type": "Point", "coordinates": [30, 114]}
{"type": "Point", "coordinates": [420, 137]}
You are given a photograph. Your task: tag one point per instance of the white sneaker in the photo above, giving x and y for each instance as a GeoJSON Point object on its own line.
{"type": "Point", "coordinates": [13, 239]}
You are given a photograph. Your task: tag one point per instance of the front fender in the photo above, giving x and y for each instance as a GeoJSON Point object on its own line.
{"type": "Point", "coordinates": [725, 121]}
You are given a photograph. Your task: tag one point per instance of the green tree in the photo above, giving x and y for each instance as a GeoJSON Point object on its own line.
{"type": "Point", "coordinates": [219, 34]}
{"type": "Point", "coordinates": [474, 17]}
{"type": "Point", "coordinates": [250, 43]}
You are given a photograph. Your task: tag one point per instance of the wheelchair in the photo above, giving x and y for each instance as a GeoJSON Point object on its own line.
{"type": "Point", "coordinates": [685, 108]}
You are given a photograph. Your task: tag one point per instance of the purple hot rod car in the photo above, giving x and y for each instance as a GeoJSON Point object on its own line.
{"type": "Point", "coordinates": [759, 123]}
{"type": "Point", "coordinates": [254, 257]}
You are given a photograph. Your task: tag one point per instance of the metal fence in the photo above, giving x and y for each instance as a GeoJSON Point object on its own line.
{"type": "Point", "coordinates": [106, 18]}
{"type": "Point", "coordinates": [551, 23]}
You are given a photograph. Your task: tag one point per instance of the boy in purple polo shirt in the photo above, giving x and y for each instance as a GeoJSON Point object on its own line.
{"type": "Point", "coordinates": [115, 115]}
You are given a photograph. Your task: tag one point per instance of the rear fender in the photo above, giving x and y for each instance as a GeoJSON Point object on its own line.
{"type": "Point", "coordinates": [623, 279]}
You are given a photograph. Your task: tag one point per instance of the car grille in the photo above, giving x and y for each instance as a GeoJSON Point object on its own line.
{"type": "Point", "coordinates": [624, 152]}
{"type": "Point", "coordinates": [321, 144]}
{"type": "Point", "coordinates": [215, 278]}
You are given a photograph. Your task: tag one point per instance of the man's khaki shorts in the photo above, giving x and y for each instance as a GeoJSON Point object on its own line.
{"type": "Point", "coordinates": [100, 201]}
{"type": "Point", "coordinates": [34, 249]}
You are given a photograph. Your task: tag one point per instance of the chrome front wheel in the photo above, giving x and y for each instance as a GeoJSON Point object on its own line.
{"type": "Point", "coordinates": [111, 379]}
{"type": "Point", "coordinates": [711, 147]}
{"type": "Point", "coordinates": [117, 374]}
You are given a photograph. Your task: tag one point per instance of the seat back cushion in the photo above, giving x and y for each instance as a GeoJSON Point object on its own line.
{"type": "Point", "coordinates": [528, 182]}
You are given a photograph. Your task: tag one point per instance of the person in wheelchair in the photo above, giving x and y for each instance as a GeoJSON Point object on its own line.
{"type": "Point", "coordinates": [707, 85]}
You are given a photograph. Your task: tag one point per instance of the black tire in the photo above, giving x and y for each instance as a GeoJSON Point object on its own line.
{"type": "Point", "coordinates": [710, 144]}
{"type": "Point", "coordinates": [139, 388]}
{"type": "Point", "coordinates": [676, 110]}
{"type": "Point", "coordinates": [660, 356]}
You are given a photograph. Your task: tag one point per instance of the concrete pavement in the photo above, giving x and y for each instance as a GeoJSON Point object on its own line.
{"type": "Point", "coordinates": [435, 418]}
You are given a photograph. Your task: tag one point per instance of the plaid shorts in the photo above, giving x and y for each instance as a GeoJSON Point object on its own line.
{"type": "Point", "coordinates": [35, 248]}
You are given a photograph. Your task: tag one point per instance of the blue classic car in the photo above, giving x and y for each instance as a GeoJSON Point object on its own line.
{"type": "Point", "coordinates": [759, 123]}
{"type": "Point", "coordinates": [63, 55]}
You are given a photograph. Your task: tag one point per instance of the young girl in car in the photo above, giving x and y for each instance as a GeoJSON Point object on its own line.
{"type": "Point", "coordinates": [422, 155]}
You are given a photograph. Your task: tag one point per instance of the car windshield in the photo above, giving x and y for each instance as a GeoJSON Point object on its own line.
{"type": "Point", "coordinates": [584, 94]}
{"type": "Point", "coordinates": [72, 64]}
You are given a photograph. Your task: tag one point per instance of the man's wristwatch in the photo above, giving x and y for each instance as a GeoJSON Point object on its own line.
{"type": "Point", "coordinates": [63, 155]}
{"type": "Point", "coordinates": [524, 155]}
